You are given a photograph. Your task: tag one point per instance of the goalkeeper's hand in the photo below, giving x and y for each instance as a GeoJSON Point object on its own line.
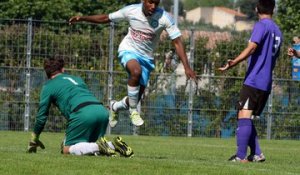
{"type": "Point", "coordinates": [34, 143]}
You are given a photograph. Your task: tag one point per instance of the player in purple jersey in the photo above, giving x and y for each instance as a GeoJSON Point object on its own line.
{"type": "Point", "coordinates": [262, 50]}
{"type": "Point", "coordinates": [146, 23]}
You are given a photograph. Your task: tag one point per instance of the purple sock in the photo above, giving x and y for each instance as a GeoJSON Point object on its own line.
{"type": "Point", "coordinates": [243, 133]}
{"type": "Point", "coordinates": [253, 142]}
{"type": "Point", "coordinates": [257, 147]}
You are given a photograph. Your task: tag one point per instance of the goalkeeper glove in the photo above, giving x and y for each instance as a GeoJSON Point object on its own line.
{"type": "Point", "coordinates": [34, 143]}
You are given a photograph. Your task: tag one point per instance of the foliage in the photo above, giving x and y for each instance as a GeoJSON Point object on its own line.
{"type": "Point", "coordinates": [225, 50]}
{"type": "Point", "coordinates": [288, 16]}
{"type": "Point", "coordinates": [57, 10]}
{"type": "Point", "coordinates": [39, 10]}
{"type": "Point", "coordinates": [247, 7]}
{"type": "Point", "coordinates": [168, 5]}
{"type": "Point", "coordinates": [202, 56]}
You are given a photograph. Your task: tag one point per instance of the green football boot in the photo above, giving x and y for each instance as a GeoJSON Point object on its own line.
{"type": "Point", "coordinates": [104, 149]}
{"type": "Point", "coordinates": [122, 147]}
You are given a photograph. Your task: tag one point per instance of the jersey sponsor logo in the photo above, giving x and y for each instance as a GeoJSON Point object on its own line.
{"type": "Point", "coordinates": [154, 23]}
{"type": "Point", "coordinates": [141, 36]}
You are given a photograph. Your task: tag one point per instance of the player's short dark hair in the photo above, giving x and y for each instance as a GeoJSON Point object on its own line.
{"type": "Point", "coordinates": [53, 66]}
{"type": "Point", "coordinates": [265, 6]}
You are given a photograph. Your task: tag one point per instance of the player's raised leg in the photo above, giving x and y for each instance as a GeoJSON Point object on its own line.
{"type": "Point", "coordinates": [133, 89]}
{"type": "Point", "coordinates": [115, 107]}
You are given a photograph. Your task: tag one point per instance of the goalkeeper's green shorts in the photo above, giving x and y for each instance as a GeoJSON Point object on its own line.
{"type": "Point", "coordinates": [87, 124]}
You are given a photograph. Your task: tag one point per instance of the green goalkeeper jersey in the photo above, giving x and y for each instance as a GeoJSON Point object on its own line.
{"type": "Point", "coordinates": [64, 91]}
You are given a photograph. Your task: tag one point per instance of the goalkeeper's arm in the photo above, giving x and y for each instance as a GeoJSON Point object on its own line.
{"type": "Point", "coordinates": [34, 143]}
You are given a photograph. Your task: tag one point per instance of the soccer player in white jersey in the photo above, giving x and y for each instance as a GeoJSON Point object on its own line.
{"type": "Point", "coordinates": [146, 23]}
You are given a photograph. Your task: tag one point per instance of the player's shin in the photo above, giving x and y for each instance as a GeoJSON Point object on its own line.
{"type": "Point", "coordinates": [83, 148]}
{"type": "Point", "coordinates": [242, 136]}
{"type": "Point", "coordinates": [133, 95]}
{"type": "Point", "coordinates": [133, 98]}
{"type": "Point", "coordinates": [253, 142]}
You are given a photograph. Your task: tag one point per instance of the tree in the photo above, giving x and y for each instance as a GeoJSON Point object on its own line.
{"type": "Point", "coordinates": [38, 10]}
{"type": "Point", "coordinates": [288, 16]}
{"type": "Point", "coordinates": [168, 5]}
{"type": "Point", "coordinates": [57, 10]}
{"type": "Point", "coordinates": [247, 7]}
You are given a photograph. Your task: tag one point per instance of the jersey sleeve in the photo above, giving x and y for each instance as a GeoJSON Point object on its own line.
{"type": "Point", "coordinates": [257, 33]}
{"type": "Point", "coordinates": [43, 111]}
{"type": "Point", "coordinates": [171, 28]}
{"type": "Point", "coordinates": [118, 15]}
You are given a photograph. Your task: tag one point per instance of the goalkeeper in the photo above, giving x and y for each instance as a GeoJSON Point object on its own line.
{"type": "Point", "coordinates": [87, 118]}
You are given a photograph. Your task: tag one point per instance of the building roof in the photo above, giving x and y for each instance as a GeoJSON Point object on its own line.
{"type": "Point", "coordinates": [224, 9]}
{"type": "Point", "coordinates": [213, 37]}
{"type": "Point", "coordinates": [231, 11]}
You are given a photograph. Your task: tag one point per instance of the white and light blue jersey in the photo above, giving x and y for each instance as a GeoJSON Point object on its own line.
{"type": "Point", "coordinates": [144, 32]}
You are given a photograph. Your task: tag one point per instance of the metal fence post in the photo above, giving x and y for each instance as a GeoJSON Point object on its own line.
{"type": "Point", "coordinates": [110, 66]}
{"type": "Point", "coordinates": [191, 91]}
{"type": "Point", "coordinates": [27, 74]}
{"type": "Point", "coordinates": [269, 119]}
{"type": "Point", "coordinates": [176, 9]}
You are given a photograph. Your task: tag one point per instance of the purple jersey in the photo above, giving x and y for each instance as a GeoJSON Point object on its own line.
{"type": "Point", "coordinates": [267, 35]}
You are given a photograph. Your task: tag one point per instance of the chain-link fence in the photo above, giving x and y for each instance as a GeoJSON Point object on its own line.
{"type": "Point", "coordinates": [171, 104]}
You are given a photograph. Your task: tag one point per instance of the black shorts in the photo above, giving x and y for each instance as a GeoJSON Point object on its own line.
{"type": "Point", "coordinates": [252, 99]}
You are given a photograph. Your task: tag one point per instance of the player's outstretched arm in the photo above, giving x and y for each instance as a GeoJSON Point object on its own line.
{"type": "Point", "coordinates": [92, 19]}
{"type": "Point", "coordinates": [250, 49]}
{"type": "Point", "coordinates": [182, 55]}
{"type": "Point", "coordinates": [226, 66]}
{"type": "Point", "coordinates": [34, 143]}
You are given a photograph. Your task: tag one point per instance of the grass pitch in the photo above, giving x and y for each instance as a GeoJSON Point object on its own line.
{"type": "Point", "coordinates": [153, 156]}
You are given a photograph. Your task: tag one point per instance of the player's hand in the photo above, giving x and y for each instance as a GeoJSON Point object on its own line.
{"type": "Point", "coordinates": [34, 143]}
{"type": "Point", "coordinates": [291, 52]}
{"type": "Point", "coordinates": [226, 66]}
{"type": "Point", "coordinates": [74, 19]}
{"type": "Point", "coordinates": [190, 74]}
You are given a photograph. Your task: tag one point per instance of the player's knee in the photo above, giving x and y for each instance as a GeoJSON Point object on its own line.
{"type": "Point", "coordinates": [245, 113]}
{"type": "Point", "coordinates": [136, 73]}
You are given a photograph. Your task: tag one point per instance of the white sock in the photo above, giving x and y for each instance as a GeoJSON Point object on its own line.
{"type": "Point", "coordinates": [110, 144]}
{"type": "Point", "coordinates": [133, 96]}
{"type": "Point", "coordinates": [83, 148]}
{"type": "Point", "coordinates": [120, 105]}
